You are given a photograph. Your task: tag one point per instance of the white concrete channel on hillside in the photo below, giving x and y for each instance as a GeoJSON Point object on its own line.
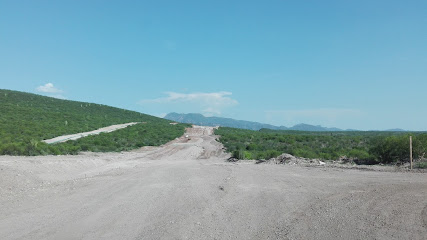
{"type": "Point", "coordinates": [76, 136]}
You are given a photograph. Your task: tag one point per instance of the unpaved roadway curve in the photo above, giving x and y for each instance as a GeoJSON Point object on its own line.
{"type": "Point", "coordinates": [186, 190]}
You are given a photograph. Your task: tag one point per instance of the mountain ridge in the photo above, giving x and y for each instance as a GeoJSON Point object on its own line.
{"type": "Point", "coordinates": [199, 119]}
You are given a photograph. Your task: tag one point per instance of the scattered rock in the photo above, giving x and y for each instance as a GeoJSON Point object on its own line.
{"type": "Point", "coordinates": [232, 159]}
{"type": "Point", "coordinates": [345, 159]}
{"type": "Point", "coordinates": [286, 158]}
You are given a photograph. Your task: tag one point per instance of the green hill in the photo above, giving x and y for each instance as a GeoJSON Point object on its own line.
{"type": "Point", "coordinates": [26, 119]}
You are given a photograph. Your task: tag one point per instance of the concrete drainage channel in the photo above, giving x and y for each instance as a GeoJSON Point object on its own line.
{"type": "Point", "coordinates": [76, 136]}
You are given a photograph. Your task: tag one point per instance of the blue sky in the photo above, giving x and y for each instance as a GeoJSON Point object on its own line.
{"type": "Point", "coordinates": [347, 64]}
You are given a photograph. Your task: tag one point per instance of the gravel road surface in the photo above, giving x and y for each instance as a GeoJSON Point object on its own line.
{"type": "Point", "coordinates": [186, 190]}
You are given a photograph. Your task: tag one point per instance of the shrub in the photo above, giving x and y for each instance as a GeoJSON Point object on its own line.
{"type": "Point", "coordinates": [359, 154]}
{"type": "Point", "coordinates": [363, 147]}
{"type": "Point", "coordinates": [422, 165]}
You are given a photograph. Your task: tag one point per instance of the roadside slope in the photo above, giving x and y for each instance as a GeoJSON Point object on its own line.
{"type": "Point", "coordinates": [76, 136]}
{"type": "Point", "coordinates": [26, 119]}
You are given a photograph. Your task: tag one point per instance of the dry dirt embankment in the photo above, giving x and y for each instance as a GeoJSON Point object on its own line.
{"type": "Point", "coordinates": [186, 190]}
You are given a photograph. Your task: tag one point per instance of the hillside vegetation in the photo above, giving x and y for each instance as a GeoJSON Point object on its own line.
{"type": "Point", "coordinates": [362, 147]}
{"type": "Point", "coordinates": [26, 119]}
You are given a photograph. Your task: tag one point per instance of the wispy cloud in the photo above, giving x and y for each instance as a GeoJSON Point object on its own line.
{"type": "Point", "coordinates": [209, 103]}
{"type": "Point", "coordinates": [160, 115]}
{"type": "Point", "coordinates": [59, 96]}
{"type": "Point", "coordinates": [48, 88]}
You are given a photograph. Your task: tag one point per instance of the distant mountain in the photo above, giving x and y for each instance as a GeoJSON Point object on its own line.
{"type": "Point", "coordinates": [312, 128]}
{"type": "Point", "coordinates": [199, 119]}
{"type": "Point", "coordinates": [395, 130]}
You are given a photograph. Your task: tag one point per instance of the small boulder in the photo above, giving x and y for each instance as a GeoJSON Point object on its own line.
{"type": "Point", "coordinates": [286, 158]}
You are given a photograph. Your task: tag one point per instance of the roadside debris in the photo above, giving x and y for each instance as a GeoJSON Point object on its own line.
{"type": "Point", "coordinates": [286, 158]}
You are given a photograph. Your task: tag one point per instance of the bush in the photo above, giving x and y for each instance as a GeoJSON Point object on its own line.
{"type": "Point", "coordinates": [12, 149]}
{"type": "Point", "coordinates": [422, 165]}
{"type": "Point", "coordinates": [362, 147]}
{"type": "Point", "coordinates": [359, 154]}
{"type": "Point", "coordinates": [394, 149]}
{"type": "Point", "coordinates": [136, 136]}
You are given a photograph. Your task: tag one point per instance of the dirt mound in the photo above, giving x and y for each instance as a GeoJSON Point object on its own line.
{"type": "Point", "coordinates": [286, 158]}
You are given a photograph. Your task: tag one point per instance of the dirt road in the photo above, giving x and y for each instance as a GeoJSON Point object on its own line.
{"type": "Point", "coordinates": [186, 190]}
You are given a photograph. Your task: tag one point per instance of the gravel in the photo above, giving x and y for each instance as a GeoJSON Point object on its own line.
{"type": "Point", "coordinates": [187, 190]}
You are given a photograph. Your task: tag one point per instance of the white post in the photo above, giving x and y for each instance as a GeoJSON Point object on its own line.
{"type": "Point", "coordinates": [410, 149]}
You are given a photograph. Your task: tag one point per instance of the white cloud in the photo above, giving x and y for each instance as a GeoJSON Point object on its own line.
{"type": "Point", "coordinates": [48, 88]}
{"type": "Point", "coordinates": [59, 96]}
{"type": "Point", "coordinates": [209, 112]}
{"type": "Point", "coordinates": [208, 103]}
